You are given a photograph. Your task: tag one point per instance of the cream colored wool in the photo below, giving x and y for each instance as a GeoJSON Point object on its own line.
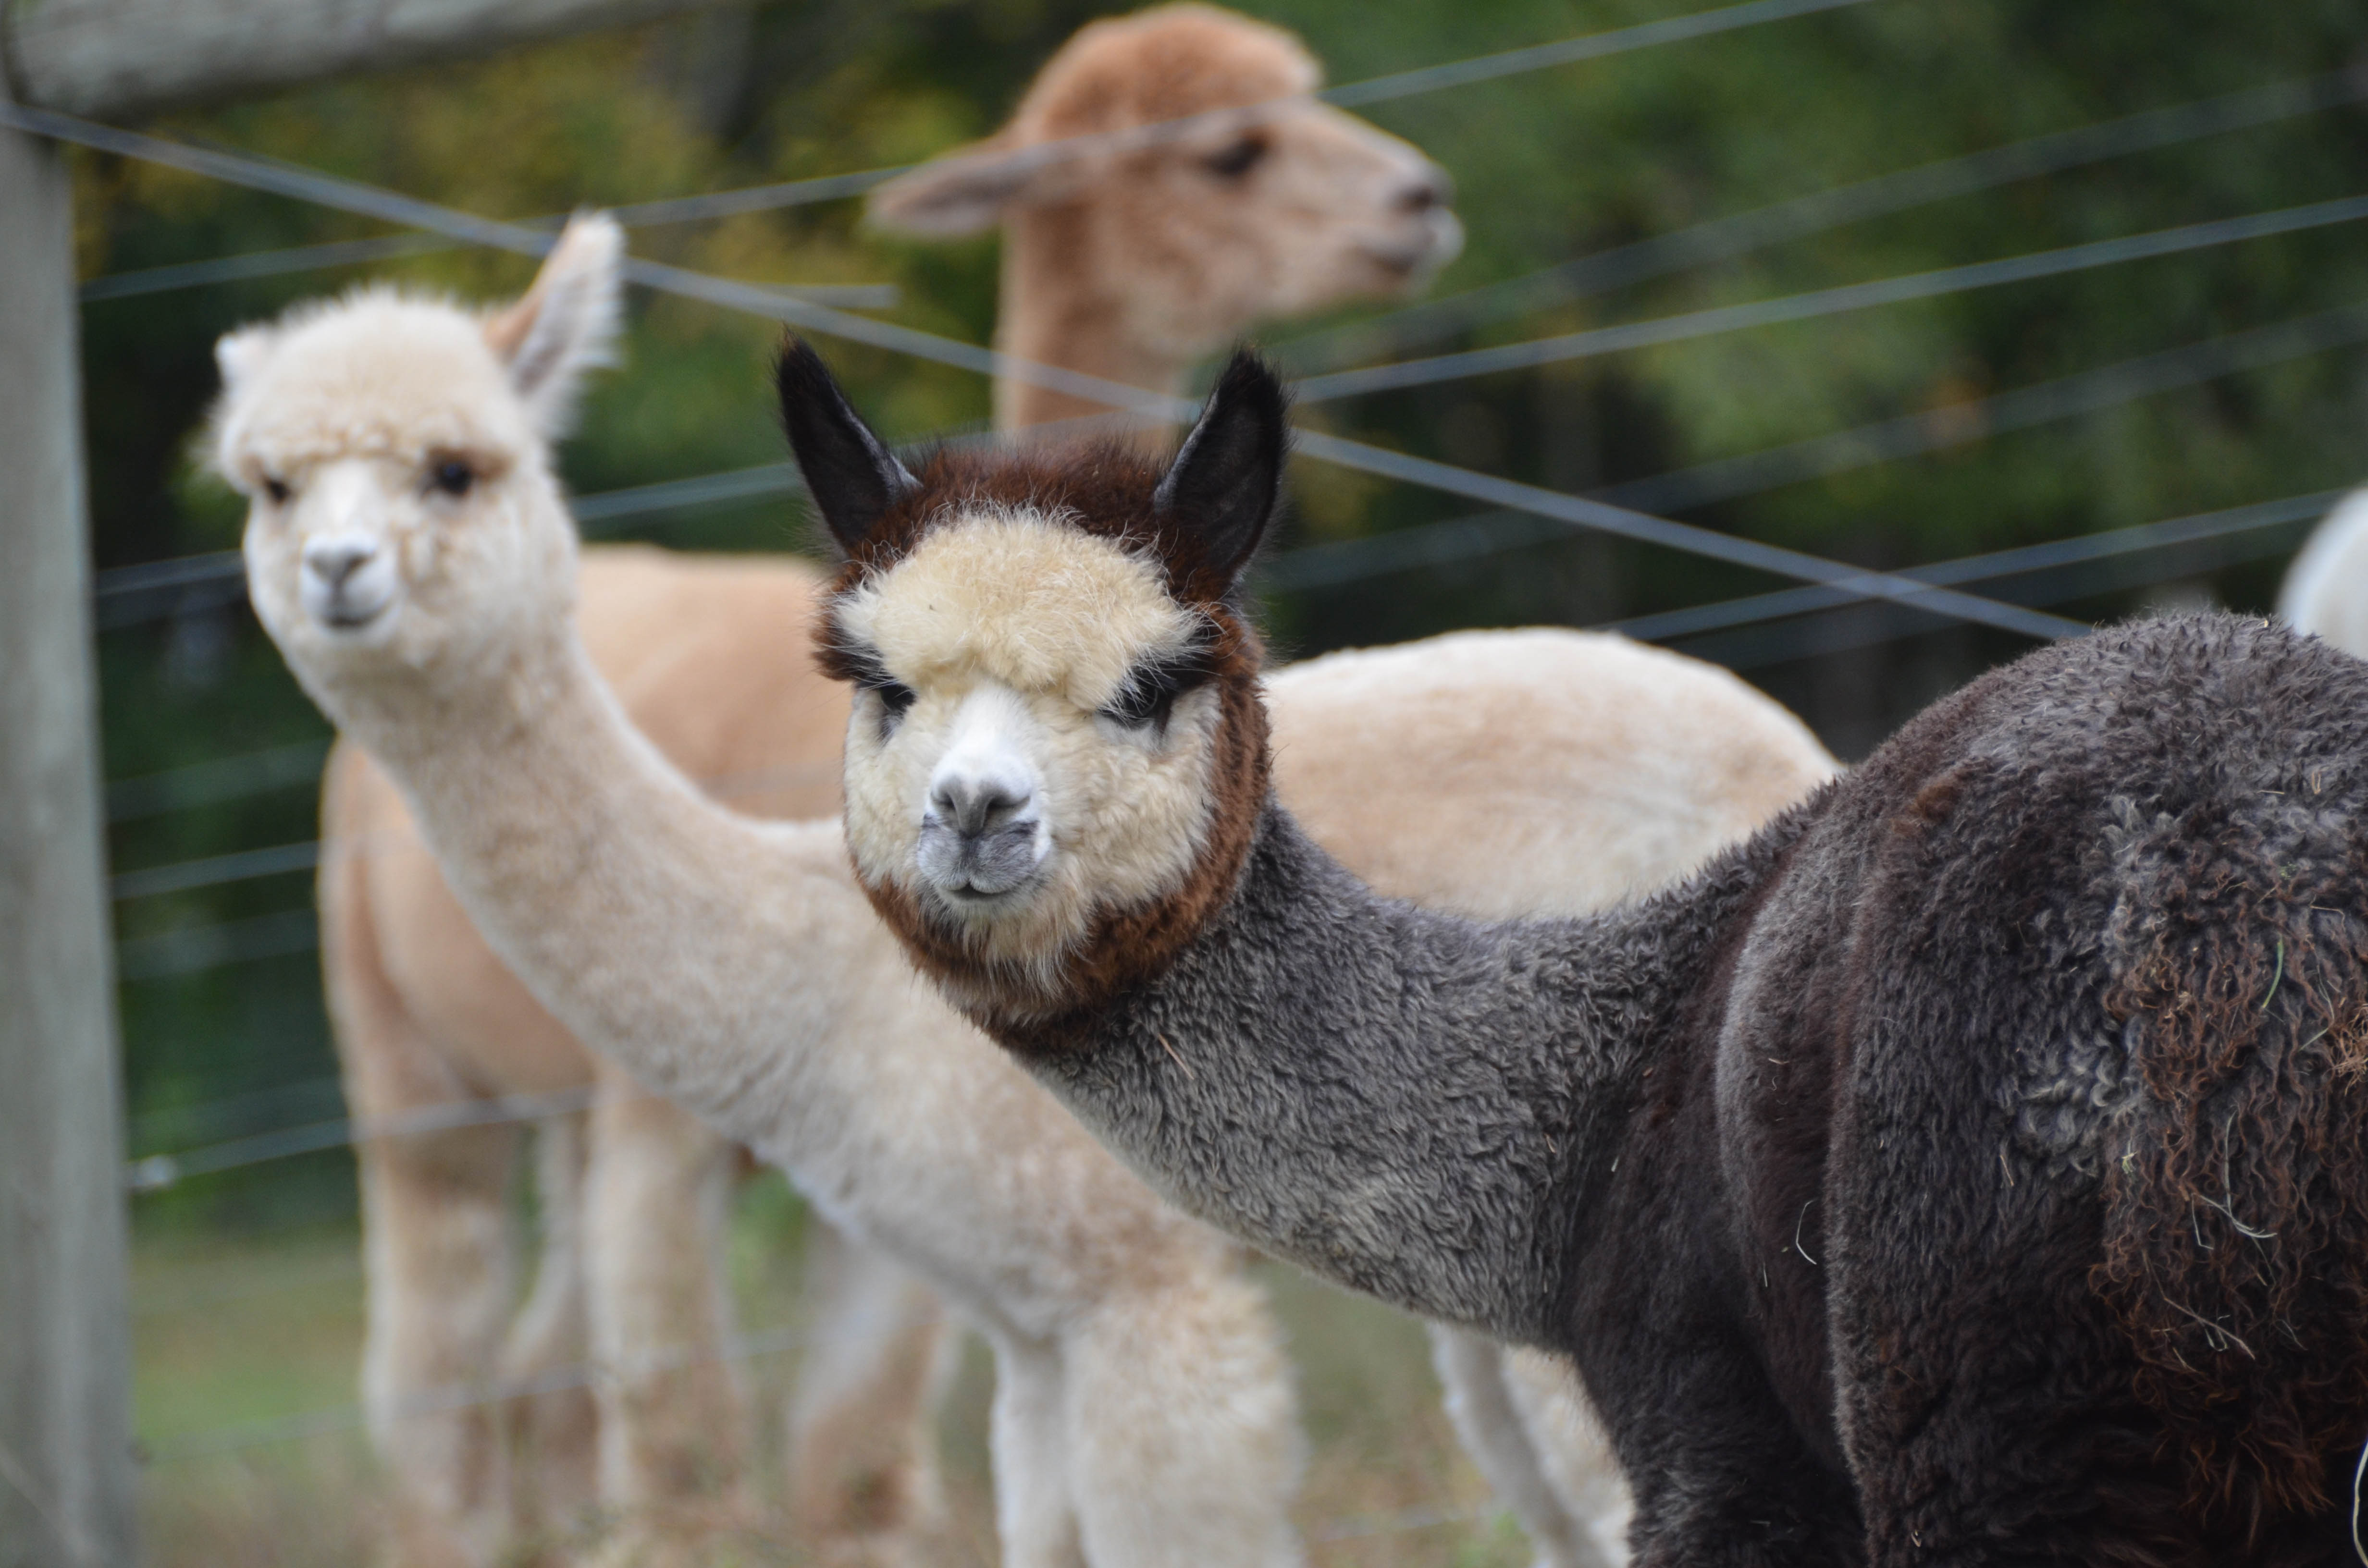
{"type": "Point", "coordinates": [2326, 590]}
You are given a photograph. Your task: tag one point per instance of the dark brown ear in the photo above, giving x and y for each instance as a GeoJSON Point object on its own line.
{"type": "Point", "coordinates": [852, 476]}
{"type": "Point", "coordinates": [1228, 474]}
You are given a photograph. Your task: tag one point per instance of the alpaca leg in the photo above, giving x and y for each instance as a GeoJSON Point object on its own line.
{"type": "Point", "coordinates": [554, 1435]}
{"type": "Point", "coordinates": [1572, 1445]}
{"type": "Point", "coordinates": [1184, 1435]}
{"type": "Point", "coordinates": [672, 1423]}
{"type": "Point", "coordinates": [437, 1247]}
{"type": "Point", "coordinates": [1482, 1403]}
{"type": "Point", "coordinates": [1035, 1512]}
{"type": "Point", "coordinates": [863, 1456]}
{"type": "Point", "coordinates": [1723, 1477]}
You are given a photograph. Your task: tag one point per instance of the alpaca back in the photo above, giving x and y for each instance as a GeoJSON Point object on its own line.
{"type": "Point", "coordinates": [1505, 774]}
{"type": "Point", "coordinates": [2079, 957]}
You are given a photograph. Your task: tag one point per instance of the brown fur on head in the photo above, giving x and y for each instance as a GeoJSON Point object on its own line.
{"type": "Point", "coordinates": [1130, 256]}
{"type": "Point", "coordinates": [1057, 755]}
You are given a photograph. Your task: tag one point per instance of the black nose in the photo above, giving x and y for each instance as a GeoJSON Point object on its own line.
{"type": "Point", "coordinates": [1429, 190]}
{"type": "Point", "coordinates": [973, 807]}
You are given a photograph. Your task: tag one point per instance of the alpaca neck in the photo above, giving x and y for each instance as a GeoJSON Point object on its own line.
{"type": "Point", "coordinates": [1418, 1106]}
{"type": "Point", "coordinates": [711, 955]}
{"type": "Point", "coordinates": [1054, 311]}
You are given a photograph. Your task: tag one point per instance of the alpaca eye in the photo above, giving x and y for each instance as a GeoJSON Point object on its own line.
{"type": "Point", "coordinates": [452, 476]}
{"type": "Point", "coordinates": [1238, 159]}
{"type": "Point", "coordinates": [1148, 697]}
{"type": "Point", "coordinates": [856, 663]}
{"type": "Point", "coordinates": [277, 488]}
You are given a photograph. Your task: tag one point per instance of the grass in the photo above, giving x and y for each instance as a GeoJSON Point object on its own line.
{"type": "Point", "coordinates": [245, 1331]}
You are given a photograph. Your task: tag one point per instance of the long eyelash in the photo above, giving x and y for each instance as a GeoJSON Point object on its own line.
{"type": "Point", "coordinates": [860, 665]}
{"type": "Point", "coordinates": [1149, 695]}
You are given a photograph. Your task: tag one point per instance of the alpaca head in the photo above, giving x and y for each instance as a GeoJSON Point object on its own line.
{"type": "Point", "coordinates": [1057, 752]}
{"type": "Point", "coordinates": [395, 450]}
{"type": "Point", "coordinates": [1266, 203]}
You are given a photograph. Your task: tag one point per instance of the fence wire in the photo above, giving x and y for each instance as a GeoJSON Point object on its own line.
{"type": "Point", "coordinates": [313, 186]}
{"type": "Point", "coordinates": [1816, 304]}
{"type": "Point", "coordinates": [1724, 239]}
{"type": "Point", "coordinates": [832, 187]}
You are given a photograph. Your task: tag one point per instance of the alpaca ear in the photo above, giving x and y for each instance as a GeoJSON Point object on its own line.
{"type": "Point", "coordinates": [1228, 474]}
{"type": "Point", "coordinates": [968, 191]}
{"type": "Point", "coordinates": [565, 322]}
{"type": "Point", "coordinates": [240, 355]}
{"type": "Point", "coordinates": [853, 478]}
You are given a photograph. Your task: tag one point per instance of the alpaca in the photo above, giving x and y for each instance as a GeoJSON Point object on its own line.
{"type": "Point", "coordinates": [1966, 1169]}
{"type": "Point", "coordinates": [1300, 207]}
{"type": "Point", "coordinates": [1132, 258]}
{"type": "Point", "coordinates": [2323, 592]}
{"type": "Point", "coordinates": [408, 549]}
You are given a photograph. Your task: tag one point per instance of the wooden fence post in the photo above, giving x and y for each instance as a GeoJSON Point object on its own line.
{"type": "Point", "coordinates": [66, 1478]}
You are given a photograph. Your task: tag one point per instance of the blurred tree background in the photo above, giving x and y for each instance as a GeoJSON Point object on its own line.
{"type": "Point", "coordinates": [1551, 165]}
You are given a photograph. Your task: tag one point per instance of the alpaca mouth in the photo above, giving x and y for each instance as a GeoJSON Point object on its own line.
{"type": "Point", "coordinates": [348, 607]}
{"type": "Point", "coordinates": [974, 872]}
{"type": "Point", "coordinates": [341, 617]}
{"type": "Point", "coordinates": [1420, 257]}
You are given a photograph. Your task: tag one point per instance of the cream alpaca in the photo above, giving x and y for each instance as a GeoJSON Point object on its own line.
{"type": "Point", "coordinates": [2326, 590]}
{"type": "Point", "coordinates": [1180, 245]}
{"type": "Point", "coordinates": [408, 549]}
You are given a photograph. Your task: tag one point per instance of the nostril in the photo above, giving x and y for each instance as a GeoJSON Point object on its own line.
{"type": "Point", "coordinates": [1430, 188]}
{"type": "Point", "coordinates": [973, 807]}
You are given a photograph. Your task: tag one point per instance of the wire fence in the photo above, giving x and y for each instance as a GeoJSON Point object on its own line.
{"type": "Point", "coordinates": [1833, 605]}
{"type": "Point", "coordinates": [1742, 233]}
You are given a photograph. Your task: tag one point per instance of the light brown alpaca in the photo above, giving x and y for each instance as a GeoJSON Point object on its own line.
{"type": "Point", "coordinates": [1134, 257]}
{"type": "Point", "coordinates": [1326, 208]}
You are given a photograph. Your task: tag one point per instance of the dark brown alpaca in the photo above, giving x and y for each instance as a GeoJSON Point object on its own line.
{"type": "Point", "coordinates": [1968, 1169]}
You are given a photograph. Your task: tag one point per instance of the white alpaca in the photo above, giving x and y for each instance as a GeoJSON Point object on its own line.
{"type": "Point", "coordinates": [408, 549]}
{"type": "Point", "coordinates": [2326, 590]}
{"type": "Point", "coordinates": [1171, 250]}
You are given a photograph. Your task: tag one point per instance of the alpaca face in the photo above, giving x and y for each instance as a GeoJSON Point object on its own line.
{"type": "Point", "coordinates": [1031, 737]}
{"type": "Point", "coordinates": [394, 453]}
{"type": "Point", "coordinates": [1056, 745]}
{"type": "Point", "coordinates": [1267, 204]}
{"type": "Point", "coordinates": [1281, 214]}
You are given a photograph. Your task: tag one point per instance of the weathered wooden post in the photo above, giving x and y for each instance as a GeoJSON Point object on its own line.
{"type": "Point", "coordinates": [66, 1473]}
{"type": "Point", "coordinates": [66, 1363]}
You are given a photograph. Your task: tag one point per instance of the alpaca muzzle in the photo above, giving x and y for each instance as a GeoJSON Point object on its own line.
{"type": "Point", "coordinates": [348, 580]}
{"type": "Point", "coordinates": [980, 838]}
